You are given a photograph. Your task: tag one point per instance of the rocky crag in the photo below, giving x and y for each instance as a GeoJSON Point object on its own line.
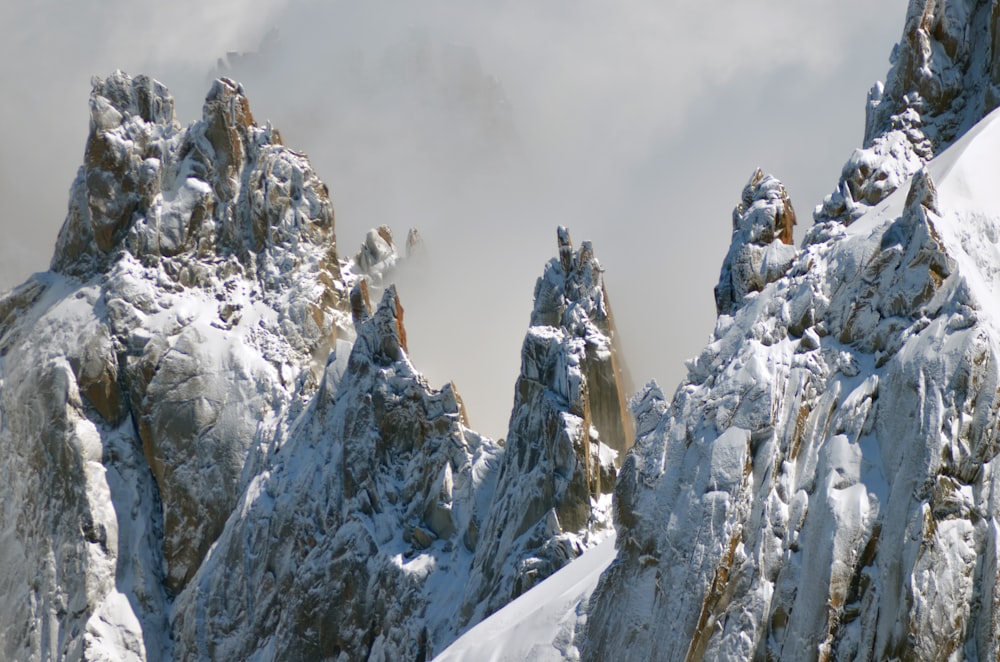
{"type": "Point", "coordinates": [213, 445]}
{"type": "Point", "coordinates": [194, 293]}
{"type": "Point", "coordinates": [568, 430]}
{"type": "Point", "coordinates": [822, 485]}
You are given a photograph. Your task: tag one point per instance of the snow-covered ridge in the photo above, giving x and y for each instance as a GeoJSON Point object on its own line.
{"type": "Point", "coordinates": [945, 77]}
{"type": "Point", "coordinates": [822, 485]}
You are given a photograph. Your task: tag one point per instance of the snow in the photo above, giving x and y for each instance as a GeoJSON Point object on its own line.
{"type": "Point", "coordinates": [540, 624]}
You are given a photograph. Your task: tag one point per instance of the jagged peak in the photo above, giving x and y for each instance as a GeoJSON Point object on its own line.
{"type": "Point", "coordinates": [415, 246]}
{"type": "Point", "coordinates": [381, 335]}
{"type": "Point", "coordinates": [769, 190]}
{"type": "Point", "coordinates": [571, 290]}
{"type": "Point", "coordinates": [221, 186]}
{"type": "Point", "coordinates": [569, 429]}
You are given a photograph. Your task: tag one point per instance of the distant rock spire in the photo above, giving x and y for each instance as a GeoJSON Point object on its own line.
{"type": "Point", "coordinates": [569, 430]}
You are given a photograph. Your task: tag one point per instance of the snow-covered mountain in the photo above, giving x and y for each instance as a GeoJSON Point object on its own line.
{"type": "Point", "coordinates": [213, 446]}
{"type": "Point", "coordinates": [822, 484]}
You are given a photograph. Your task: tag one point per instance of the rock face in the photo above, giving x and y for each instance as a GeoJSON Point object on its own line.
{"type": "Point", "coordinates": [822, 485]}
{"type": "Point", "coordinates": [855, 459]}
{"type": "Point", "coordinates": [945, 77]}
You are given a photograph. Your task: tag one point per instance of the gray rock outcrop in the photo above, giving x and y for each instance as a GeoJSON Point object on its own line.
{"type": "Point", "coordinates": [568, 427]}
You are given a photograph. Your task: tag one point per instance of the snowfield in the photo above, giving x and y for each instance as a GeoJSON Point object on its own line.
{"type": "Point", "coordinates": [541, 624]}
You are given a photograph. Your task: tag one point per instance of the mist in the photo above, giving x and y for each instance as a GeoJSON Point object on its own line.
{"type": "Point", "coordinates": [485, 125]}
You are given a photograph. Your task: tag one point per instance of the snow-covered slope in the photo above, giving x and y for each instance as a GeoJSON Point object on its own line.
{"type": "Point", "coordinates": [542, 623]}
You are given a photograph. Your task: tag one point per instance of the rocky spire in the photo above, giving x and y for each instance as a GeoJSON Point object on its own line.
{"type": "Point", "coordinates": [569, 429]}
{"type": "Point", "coordinates": [762, 245]}
{"type": "Point", "coordinates": [571, 296]}
{"type": "Point", "coordinates": [224, 186]}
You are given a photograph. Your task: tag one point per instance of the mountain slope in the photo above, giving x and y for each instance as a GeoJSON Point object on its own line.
{"type": "Point", "coordinates": [542, 623]}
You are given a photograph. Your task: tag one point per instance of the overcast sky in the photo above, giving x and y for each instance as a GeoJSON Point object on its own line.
{"type": "Point", "coordinates": [634, 123]}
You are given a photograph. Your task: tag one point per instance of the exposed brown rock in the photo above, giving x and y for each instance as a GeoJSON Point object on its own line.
{"type": "Point", "coordinates": [97, 376]}
{"type": "Point", "coordinates": [361, 305]}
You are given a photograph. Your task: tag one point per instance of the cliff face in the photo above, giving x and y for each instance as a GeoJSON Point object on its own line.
{"type": "Point", "coordinates": [213, 446]}
{"type": "Point", "coordinates": [822, 485]}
